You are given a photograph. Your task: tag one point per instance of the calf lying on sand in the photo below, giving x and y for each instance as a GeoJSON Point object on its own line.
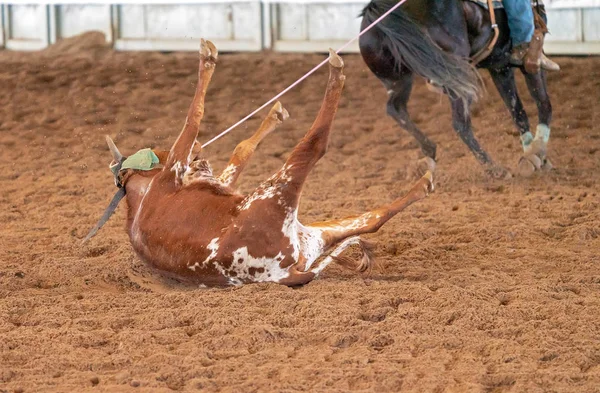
{"type": "Point", "coordinates": [193, 225]}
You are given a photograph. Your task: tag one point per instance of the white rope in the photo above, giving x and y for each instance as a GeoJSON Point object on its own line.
{"type": "Point", "coordinates": [304, 76]}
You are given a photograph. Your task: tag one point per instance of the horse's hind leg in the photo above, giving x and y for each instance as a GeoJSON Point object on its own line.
{"type": "Point", "coordinates": [399, 92]}
{"type": "Point", "coordinates": [461, 121]}
{"type": "Point", "coordinates": [319, 237]}
{"type": "Point", "coordinates": [245, 149]}
{"type": "Point", "coordinates": [534, 148]}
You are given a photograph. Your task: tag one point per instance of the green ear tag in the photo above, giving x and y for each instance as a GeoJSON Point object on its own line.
{"type": "Point", "coordinates": [144, 160]}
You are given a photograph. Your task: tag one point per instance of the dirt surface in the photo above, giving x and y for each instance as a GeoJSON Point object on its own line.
{"type": "Point", "coordinates": [485, 286]}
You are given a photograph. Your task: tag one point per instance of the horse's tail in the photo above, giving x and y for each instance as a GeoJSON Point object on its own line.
{"type": "Point", "coordinates": [412, 48]}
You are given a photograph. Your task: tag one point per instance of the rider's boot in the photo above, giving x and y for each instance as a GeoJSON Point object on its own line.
{"type": "Point", "coordinates": [531, 54]}
{"type": "Point", "coordinates": [520, 52]}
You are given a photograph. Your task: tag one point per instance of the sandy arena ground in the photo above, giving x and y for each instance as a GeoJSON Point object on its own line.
{"type": "Point", "coordinates": [485, 286]}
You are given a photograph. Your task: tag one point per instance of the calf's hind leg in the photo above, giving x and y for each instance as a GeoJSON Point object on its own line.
{"type": "Point", "coordinates": [314, 144]}
{"type": "Point", "coordinates": [287, 183]}
{"type": "Point", "coordinates": [347, 230]}
{"type": "Point", "coordinates": [320, 237]}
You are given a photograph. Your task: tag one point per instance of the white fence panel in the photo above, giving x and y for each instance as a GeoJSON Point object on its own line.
{"type": "Point", "coordinates": [591, 25]}
{"type": "Point", "coordinates": [557, 4]}
{"type": "Point", "coordinates": [130, 21]}
{"type": "Point", "coordinates": [314, 27]}
{"type": "Point", "coordinates": [246, 25]}
{"type": "Point", "coordinates": [72, 19]}
{"type": "Point", "coordinates": [1, 26]}
{"type": "Point", "coordinates": [231, 26]}
{"type": "Point", "coordinates": [574, 26]}
{"type": "Point", "coordinates": [26, 27]}
{"type": "Point", "coordinates": [564, 25]}
{"type": "Point", "coordinates": [573, 30]}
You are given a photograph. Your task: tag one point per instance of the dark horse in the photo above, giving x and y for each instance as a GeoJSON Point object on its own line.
{"type": "Point", "coordinates": [434, 39]}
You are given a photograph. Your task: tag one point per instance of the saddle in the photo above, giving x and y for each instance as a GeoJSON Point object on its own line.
{"type": "Point", "coordinates": [532, 61]}
{"type": "Point", "coordinates": [486, 50]}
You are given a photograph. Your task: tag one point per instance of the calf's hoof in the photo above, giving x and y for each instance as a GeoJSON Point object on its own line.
{"type": "Point", "coordinates": [335, 60]}
{"type": "Point", "coordinates": [208, 51]}
{"type": "Point", "coordinates": [420, 168]}
{"type": "Point", "coordinates": [280, 112]}
{"type": "Point", "coordinates": [428, 179]}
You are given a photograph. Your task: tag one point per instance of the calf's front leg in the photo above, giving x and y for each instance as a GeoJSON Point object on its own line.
{"type": "Point", "coordinates": [180, 154]}
{"type": "Point", "coordinates": [246, 148]}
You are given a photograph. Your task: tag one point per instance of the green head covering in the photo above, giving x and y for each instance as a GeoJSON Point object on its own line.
{"type": "Point", "coordinates": [143, 160]}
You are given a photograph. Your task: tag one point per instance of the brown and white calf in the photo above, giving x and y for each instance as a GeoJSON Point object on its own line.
{"type": "Point", "coordinates": [193, 225]}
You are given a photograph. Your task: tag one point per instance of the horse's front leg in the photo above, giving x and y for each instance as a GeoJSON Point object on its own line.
{"type": "Point", "coordinates": [535, 147]}
{"type": "Point", "coordinates": [461, 121]}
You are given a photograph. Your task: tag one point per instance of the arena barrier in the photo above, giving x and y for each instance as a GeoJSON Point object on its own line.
{"type": "Point", "coordinates": [244, 25]}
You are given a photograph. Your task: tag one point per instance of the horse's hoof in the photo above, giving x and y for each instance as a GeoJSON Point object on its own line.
{"type": "Point", "coordinates": [420, 168]}
{"type": "Point", "coordinates": [498, 172]}
{"type": "Point", "coordinates": [525, 168]}
{"type": "Point", "coordinates": [528, 165]}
